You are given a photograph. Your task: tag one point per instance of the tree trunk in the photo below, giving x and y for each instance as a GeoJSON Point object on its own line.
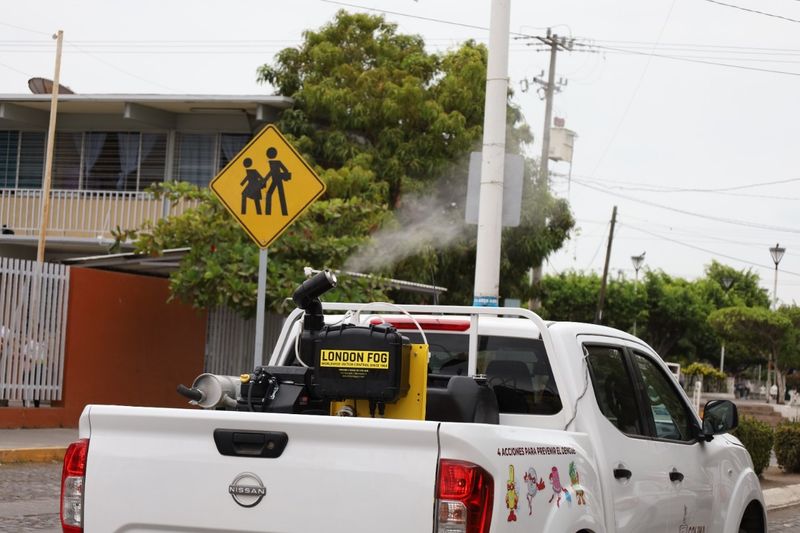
{"type": "Point", "coordinates": [780, 378]}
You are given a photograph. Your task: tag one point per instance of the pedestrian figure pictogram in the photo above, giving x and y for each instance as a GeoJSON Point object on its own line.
{"type": "Point", "coordinates": [268, 166]}
{"type": "Point", "coordinates": [279, 173]}
{"type": "Point", "coordinates": [253, 185]}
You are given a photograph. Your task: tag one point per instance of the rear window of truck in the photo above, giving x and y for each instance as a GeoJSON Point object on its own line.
{"type": "Point", "coordinates": [516, 368]}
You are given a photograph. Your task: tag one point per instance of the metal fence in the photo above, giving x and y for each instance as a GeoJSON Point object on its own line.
{"type": "Point", "coordinates": [82, 213]}
{"type": "Point", "coordinates": [230, 341]}
{"type": "Point", "coordinates": [33, 324]}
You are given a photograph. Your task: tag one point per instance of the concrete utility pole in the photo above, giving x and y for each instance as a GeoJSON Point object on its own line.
{"type": "Point", "coordinates": [490, 210]}
{"type": "Point", "coordinates": [638, 261]}
{"type": "Point", "coordinates": [599, 316]}
{"type": "Point", "coordinates": [48, 166]}
{"type": "Point", "coordinates": [551, 87]}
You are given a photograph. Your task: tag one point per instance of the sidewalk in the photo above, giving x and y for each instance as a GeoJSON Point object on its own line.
{"type": "Point", "coordinates": [35, 445]}
{"type": "Point", "coordinates": [780, 489]}
{"type": "Point", "coordinates": [43, 445]}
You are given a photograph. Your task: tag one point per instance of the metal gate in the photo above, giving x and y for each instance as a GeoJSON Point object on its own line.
{"type": "Point", "coordinates": [230, 341]}
{"type": "Point", "coordinates": [33, 325]}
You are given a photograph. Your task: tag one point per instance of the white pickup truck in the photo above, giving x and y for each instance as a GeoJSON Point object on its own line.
{"type": "Point", "coordinates": [584, 431]}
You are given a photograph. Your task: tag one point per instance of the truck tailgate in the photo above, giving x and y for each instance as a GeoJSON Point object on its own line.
{"type": "Point", "coordinates": [157, 470]}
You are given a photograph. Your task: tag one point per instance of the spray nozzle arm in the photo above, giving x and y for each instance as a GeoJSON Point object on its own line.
{"type": "Point", "coordinates": [311, 289]}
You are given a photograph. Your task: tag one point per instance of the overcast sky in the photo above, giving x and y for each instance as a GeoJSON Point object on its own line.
{"type": "Point", "coordinates": [655, 133]}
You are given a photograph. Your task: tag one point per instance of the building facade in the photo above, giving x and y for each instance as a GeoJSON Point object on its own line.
{"type": "Point", "coordinates": [108, 150]}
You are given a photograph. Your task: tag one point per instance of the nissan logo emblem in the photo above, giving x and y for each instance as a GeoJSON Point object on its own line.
{"type": "Point", "coordinates": [247, 489]}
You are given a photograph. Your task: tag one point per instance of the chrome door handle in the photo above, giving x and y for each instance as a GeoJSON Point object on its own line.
{"type": "Point", "coordinates": [675, 476]}
{"type": "Point", "coordinates": [622, 473]}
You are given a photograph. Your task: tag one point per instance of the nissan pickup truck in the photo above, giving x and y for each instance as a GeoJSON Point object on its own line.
{"type": "Point", "coordinates": [510, 423]}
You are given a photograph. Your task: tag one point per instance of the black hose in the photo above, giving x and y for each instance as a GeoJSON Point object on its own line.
{"type": "Point", "coordinates": [191, 393]}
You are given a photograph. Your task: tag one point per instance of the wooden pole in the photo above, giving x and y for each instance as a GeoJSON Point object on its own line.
{"type": "Point", "coordinates": [598, 319]}
{"type": "Point", "coordinates": [48, 165]}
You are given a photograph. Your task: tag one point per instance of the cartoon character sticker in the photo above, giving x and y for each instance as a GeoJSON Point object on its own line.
{"type": "Point", "coordinates": [575, 481]}
{"type": "Point", "coordinates": [534, 486]}
{"type": "Point", "coordinates": [555, 482]}
{"type": "Point", "coordinates": [512, 497]}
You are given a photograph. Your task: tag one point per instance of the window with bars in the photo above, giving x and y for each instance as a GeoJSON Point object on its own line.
{"type": "Point", "coordinates": [200, 156]}
{"type": "Point", "coordinates": [21, 159]}
{"type": "Point", "coordinates": [114, 161]}
{"type": "Point", "coordinates": [109, 161]}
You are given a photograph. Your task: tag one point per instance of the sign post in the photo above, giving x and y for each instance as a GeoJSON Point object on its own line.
{"type": "Point", "coordinates": [261, 303]}
{"type": "Point", "coordinates": [266, 187]}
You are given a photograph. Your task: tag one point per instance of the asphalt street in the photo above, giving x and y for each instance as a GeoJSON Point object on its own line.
{"type": "Point", "coordinates": [29, 497]}
{"type": "Point", "coordinates": [29, 501]}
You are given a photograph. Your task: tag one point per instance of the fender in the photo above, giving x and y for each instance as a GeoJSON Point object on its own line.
{"type": "Point", "coordinates": [746, 489]}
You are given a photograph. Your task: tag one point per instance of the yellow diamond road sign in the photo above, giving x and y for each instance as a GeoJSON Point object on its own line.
{"type": "Point", "coordinates": [267, 185]}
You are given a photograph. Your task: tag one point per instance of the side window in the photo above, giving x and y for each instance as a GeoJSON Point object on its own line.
{"type": "Point", "coordinates": [613, 388]}
{"type": "Point", "coordinates": [516, 368]}
{"type": "Point", "coordinates": [669, 412]}
{"type": "Point", "coordinates": [519, 372]}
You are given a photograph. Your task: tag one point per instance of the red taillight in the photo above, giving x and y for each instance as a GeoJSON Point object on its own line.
{"type": "Point", "coordinates": [73, 477]}
{"type": "Point", "coordinates": [427, 324]}
{"type": "Point", "coordinates": [464, 496]}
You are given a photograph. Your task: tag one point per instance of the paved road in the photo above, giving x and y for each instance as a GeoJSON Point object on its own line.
{"type": "Point", "coordinates": [785, 520]}
{"type": "Point", "coordinates": [29, 501]}
{"type": "Point", "coordinates": [29, 498]}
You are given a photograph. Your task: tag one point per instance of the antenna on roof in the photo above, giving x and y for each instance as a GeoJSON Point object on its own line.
{"type": "Point", "coordinates": [45, 86]}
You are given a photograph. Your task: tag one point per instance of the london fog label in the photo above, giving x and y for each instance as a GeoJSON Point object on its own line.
{"type": "Point", "coordinates": [354, 359]}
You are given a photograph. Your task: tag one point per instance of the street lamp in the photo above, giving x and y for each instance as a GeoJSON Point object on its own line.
{"type": "Point", "coordinates": [637, 261]}
{"type": "Point", "coordinates": [726, 281]}
{"type": "Point", "coordinates": [776, 252]}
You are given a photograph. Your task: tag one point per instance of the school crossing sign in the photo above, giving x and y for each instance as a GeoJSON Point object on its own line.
{"type": "Point", "coordinates": [267, 186]}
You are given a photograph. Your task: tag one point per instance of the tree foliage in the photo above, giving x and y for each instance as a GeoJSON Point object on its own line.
{"type": "Point", "coordinates": [363, 91]}
{"type": "Point", "coordinates": [221, 266]}
{"type": "Point", "coordinates": [759, 330]}
{"type": "Point", "coordinates": [388, 126]}
{"type": "Point", "coordinates": [670, 312]}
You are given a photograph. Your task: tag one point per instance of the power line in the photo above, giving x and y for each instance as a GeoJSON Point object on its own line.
{"type": "Point", "coordinates": [680, 189]}
{"type": "Point", "coordinates": [740, 8]}
{"type": "Point", "coordinates": [428, 19]}
{"type": "Point", "coordinates": [724, 58]}
{"type": "Point", "coordinates": [707, 250]}
{"type": "Point", "coordinates": [649, 44]}
{"type": "Point", "coordinates": [9, 67]}
{"type": "Point", "coordinates": [599, 246]}
{"type": "Point", "coordinates": [692, 232]}
{"type": "Point", "coordinates": [635, 91]}
{"type": "Point", "coordinates": [26, 29]}
{"type": "Point", "coordinates": [663, 189]}
{"type": "Point", "coordinates": [701, 61]}
{"type": "Point", "coordinates": [115, 67]}
{"type": "Point", "coordinates": [685, 212]}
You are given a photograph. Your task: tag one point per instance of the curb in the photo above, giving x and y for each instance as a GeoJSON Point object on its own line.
{"type": "Point", "coordinates": [32, 455]}
{"type": "Point", "coordinates": [780, 497]}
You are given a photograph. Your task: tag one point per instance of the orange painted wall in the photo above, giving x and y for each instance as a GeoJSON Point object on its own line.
{"type": "Point", "coordinates": [124, 345]}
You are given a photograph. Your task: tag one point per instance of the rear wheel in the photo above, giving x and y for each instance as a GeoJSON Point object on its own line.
{"type": "Point", "coordinates": [753, 519]}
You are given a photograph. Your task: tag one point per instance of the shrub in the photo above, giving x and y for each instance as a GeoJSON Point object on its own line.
{"type": "Point", "coordinates": [713, 379]}
{"type": "Point", "coordinates": [757, 437]}
{"type": "Point", "coordinates": [787, 446]}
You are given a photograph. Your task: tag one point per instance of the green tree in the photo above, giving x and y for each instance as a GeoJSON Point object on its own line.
{"type": "Point", "coordinates": [670, 312]}
{"type": "Point", "coordinates": [758, 329]}
{"type": "Point", "coordinates": [221, 266]}
{"type": "Point", "coordinates": [384, 123]}
{"type": "Point", "coordinates": [363, 90]}
{"type": "Point", "coordinates": [724, 286]}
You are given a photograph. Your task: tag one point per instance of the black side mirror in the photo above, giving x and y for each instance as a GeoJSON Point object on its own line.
{"type": "Point", "coordinates": [719, 416]}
